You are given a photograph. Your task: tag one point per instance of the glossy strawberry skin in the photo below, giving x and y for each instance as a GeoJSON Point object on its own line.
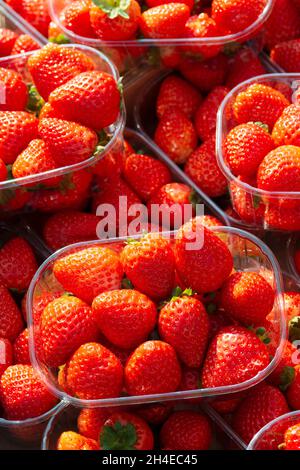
{"type": "Point", "coordinates": [236, 15]}
{"type": "Point", "coordinates": [244, 65]}
{"type": "Point", "coordinates": [155, 413]}
{"type": "Point", "coordinates": [24, 43]}
{"type": "Point", "coordinates": [287, 55]}
{"type": "Point", "coordinates": [205, 117]}
{"type": "Point", "coordinates": [89, 272]}
{"type": "Point", "coordinates": [3, 171]}
{"type": "Point", "coordinates": [164, 21]}
{"type": "Point", "coordinates": [7, 41]}
{"type": "Point", "coordinates": [11, 318]}
{"type": "Point", "coordinates": [16, 94]}
{"type": "Point", "coordinates": [6, 355]}
{"type": "Point", "coordinates": [186, 430]}
{"type": "Point", "coordinates": [207, 74]}
{"type": "Point", "coordinates": [152, 368]}
{"type": "Point", "coordinates": [184, 324]}
{"type": "Point", "coordinates": [76, 18]}
{"type": "Point", "coordinates": [35, 12]}
{"type": "Point", "coordinates": [286, 130]}
{"type": "Point", "coordinates": [292, 438]}
{"type": "Point", "coordinates": [70, 440]}
{"type": "Point", "coordinates": [125, 317]}
{"type": "Point", "coordinates": [21, 348]}
{"type": "Point", "coordinates": [91, 420]}
{"type": "Point", "coordinates": [283, 23]}
{"type": "Point", "coordinates": [18, 128]}
{"type": "Point", "coordinates": [281, 375]}
{"type": "Point", "coordinates": [200, 27]}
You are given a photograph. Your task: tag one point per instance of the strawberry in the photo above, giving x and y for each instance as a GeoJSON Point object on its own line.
{"type": "Point", "coordinates": [176, 136]}
{"type": "Point", "coordinates": [226, 406]}
{"type": "Point", "coordinates": [283, 23]}
{"type": "Point", "coordinates": [14, 199]}
{"type": "Point", "coordinates": [34, 160]}
{"type": "Point", "coordinates": [76, 18]}
{"type": "Point", "coordinates": [94, 372]}
{"type": "Point", "coordinates": [291, 438]}
{"type": "Point", "coordinates": [89, 272]}
{"type": "Point", "coordinates": [24, 43]}
{"type": "Point", "coordinates": [118, 21]}
{"type": "Point", "coordinates": [287, 55]}
{"type": "Point", "coordinates": [6, 355]}
{"type": "Point", "coordinates": [71, 194]}
{"type": "Point", "coordinates": [110, 166]}
{"type": "Point", "coordinates": [47, 111]}
{"type": "Point", "coordinates": [52, 66]}
{"type": "Point", "coordinates": [206, 115]}
{"type": "Point", "coordinates": [66, 323]}
{"type": "Point", "coordinates": [210, 221]}
{"type": "Point", "coordinates": [202, 168]}
{"type": "Point", "coordinates": [236, 15]}
{"type": "Point", "coordinates": [7, 41]}
{"type": "Point", "coordinates": [152, 368]}
{"type": "Point", "coordinates": [15, 89]}
{"type": "Point", "coordinates": [234, 356]}
{"type": "Point", "coordinates": [293, 392]}
{"type": "Point", "coordinates": [283, 375]}
{"type": "Point", "coordinates": [150, 265]}
{"type": "Point", "coordinates": [286, 130]}
{"type": "Point", "coordinates": [23, 394]}
{"type": "Point", "coordinates": [200, 27]}
{"type": "Point", "coordinates": [186, 430]}
{"type": "Point", "coordinates": [175, 92]}
{"type": "Point", "coordinates": [244, 65]}
{"type": "Point", "coordinates": [291, 304]}
{"type": "Point", "coordinates": [248, 297]}
{"type": "Point", "coordinates": [70, 440]}
{"type": "Point", "coordinates": [21, 348]}
{"type": "Point", "coordinates": [245, 147]}
{"type": "Point", "coordinates": [13, 274]}
{"type": "Point", "coordinates": [259, 103]}
{"type": "Point", "coordinates": [145, 174]}
{"type": "Point", "coordinates": [264, 404]}
{"type": "Point", "coordinates": [11, 319]}
{"type": "Point", "coordinates": [69, 142]}
{"type": "Point", "coordinates": [17, 129]}
{"type": "Point", "coordinates": [156, 3]}
{"type": "Point", "coordinates": [165, 21]}
{"type": "Point", "coordinates": [250, 209]}
{"type": "Point", "coordinates": [91, 420]}
{"type": "Point", "coordinates": [283, 218]}
{"type": "Point", "coordinates": [126, 431]}
{"type": "Point", "coordinates": [183, 323]}
{"type": "Point", "coordinates": [206, 74]}
{"type": "Point", "coordinates": [55, 33]}
{"type": "Point", "coordinates": [3, 171]}
{"type": "Point", "coordinates": [125, 317]}
{"type": "Point", "coordinates": [280, 170]}
{"type": "Point", "coordinates": [155, 413]}
{"type": "Point", "coordinates": [33, 11]}
{"type": "Point", "coordinates": [190, 380]}
{"type": "Point", "coordinates": [91, 98]}
{"type": "Point", "coordinates": [68, 227]}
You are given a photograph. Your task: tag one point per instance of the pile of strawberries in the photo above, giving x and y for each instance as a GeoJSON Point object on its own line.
{"type": "Point", "coordinates": [12, 43]}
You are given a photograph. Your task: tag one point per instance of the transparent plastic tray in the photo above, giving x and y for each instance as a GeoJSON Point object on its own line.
{"type": "Point", "coordinates": [274, 432]}
{"type": "Point", "coordinates": [292, 246]}
{"type": "Point", "coordinates": [249, 253]}
{"type": "Point", "coordinates": [270, 200]}
{"type": "Point", "coordinates": [114, 132]}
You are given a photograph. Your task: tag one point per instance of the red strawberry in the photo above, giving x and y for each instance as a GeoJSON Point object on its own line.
{"type": "Point", "coordinates": [156, 3]}
{"type": "Point", "coordinates": [186, 430]}
{"type": "Point", "coordinates": [245, 147]}
{"type": "Point", "coordinates": [70, 440]}
{"type": "Point", "coordinates": [234, 356]}
{"type": "Point", "coordinates": [176, 136]}
{"type": "Point", "coordinates": [115, 22]}
{"type": "Point", "coordinates": [90, 98]}
{"type": "Point", "coordinates": [76, 18]}
{"type": "Point", "coordinates": [6, 355]}
{"type": "Point", "coordinates": [190, 380]}
{"type": "Point", "coordinates": [284, 373]}
{"type": "Point", "coordinates": [3, 171]}
{"type": "Point", "coordinates": [14, 199]}
{"type": "Point", "coordinates": [7, 41]}
{"type": "Point", "coordinates": [184, 324]}
{"type": "Point", "coordinates": [47, 111]}
{"type": "Point", "coordinates": [33, 11]}
{"type": "Point", "coordinates": [17, 129]}
{"type": "Point", "coordinates": [150, 266]}
{"type": "Point", "coordinates": [15, 89]}
{"type": "Point", "coordinates": [89, 272]}
{"type": "Point", "coordinates": [69, 142]}
{"type": "Point", "coordinates": [53, 65]}
{"type": "Point", "coordinates": [248, 297]}
{"type": "Point", "coordinates": [126, 431]}
{"type": "Point", "coordinates": [236, 15]}
{"type": "Point", "coordinates": [202, 168]}
{"type": "Point", "coordinates": [34, 160]}
{"type": "Point", "coordinates": [68, 227]}
{"type": "Point", "coordinates": [203, 260]}
{"type": "Point", "coordinates": [293, 392]}
{"type": "Point", "coordinates": [206, 115]}
{"type": "Point", "coordinates": [250, 209]}
{"type": "Point", "coordinates": [283, 23]}
{"type": "Point", "coordinates": [175, 92]}
{"type": "Point", "coordinates": [11, 323]}
{"type": "Point", "coordinates": [164, 21]}
{"type": "Point", "coordinates": [16, 275]}
{"type": "Point", "coordinates": [264, 404]}
{"type": "Point", "coordinates": [23, 394]}
{"type": "Point", "coordinates": [24, 43]}
{"type": "Point", "coordinates": [287, 55]}
{"type": "Point", "coordinates": [283, 218]}
{"type": "Point", "coordinates": [66, 323]}
{"type": "Point", "coordinates": [145, 174]}
{"type": "Point", "coordinates": [155, 413]}
{"type": "Point", "coordinates": [91, 420]}
{"type": "Point", "coordinates": [244, 65]}
{"type": "Point", "coordinates": [286, 130]}
{"type": "Point", "coordinates": [200, 27]}
{"type": "Point", "coordinates": [93, 372]}
{"type": "Point", "coordinates": [259, 103]}
{"type": "Point", "coordinates": [152, 368]}
{"type": "Point", "coordinates": [291, 438]}
{"type": "Point", "coordinates": [21, 348]}
{"type": "Point", "coordinates": [125, 317]}
{"type": "Point", "coordinates": [206, 74]}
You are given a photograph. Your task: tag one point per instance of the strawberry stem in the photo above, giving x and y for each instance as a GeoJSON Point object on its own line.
{"type": "Point", "coordinates": [118, 437]}
{"type": "Point", "coordinates": [114, 8]}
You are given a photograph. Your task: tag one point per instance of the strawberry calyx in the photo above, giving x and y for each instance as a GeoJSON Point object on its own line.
{"type": "Point", "coordinates": [262, 125]}
{"type": "Point", "coordinates": [118, 437]}
{"type": "Point", "coordinates": [294, 329]}
{"type": "Point", "coordinates": [194, 199]}
{"type": "Point", "coordinates": [35, 101]}
{"type": "Point", "coordinates": [114, 8]}
{"type": "Point", "coordinates": [60, 39]}
{"type": "Point", "coordinates": [126, 283]}
{"type": "Point", "coordinates": [231, 48]}
{"type": "Point", "coordinates": [261, 333]}
{"type": "Point", "coordinates": [178, 292]}
{"type": "Point", "coordinates": [286, 377]}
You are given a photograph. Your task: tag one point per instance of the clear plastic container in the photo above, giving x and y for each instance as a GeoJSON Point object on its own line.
{"type": "Point", "coordinates": [292, 246]}
{"type": "Point", "coordinates": [272, 435]}
{"type": "Point", "coordinates": [134, 52]}
{"type": "Point", "coordinates": [249, 253]}
{"type": "Point", "coordinates": [114, 132]}
{"type": "Point", "coordinates": [263, 209]}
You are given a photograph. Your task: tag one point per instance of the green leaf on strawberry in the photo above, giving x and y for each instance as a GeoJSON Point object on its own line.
{"type": "Point", "coordinates": [113, 8]}
{"type": "Point", "coordinates": [118, 437]}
